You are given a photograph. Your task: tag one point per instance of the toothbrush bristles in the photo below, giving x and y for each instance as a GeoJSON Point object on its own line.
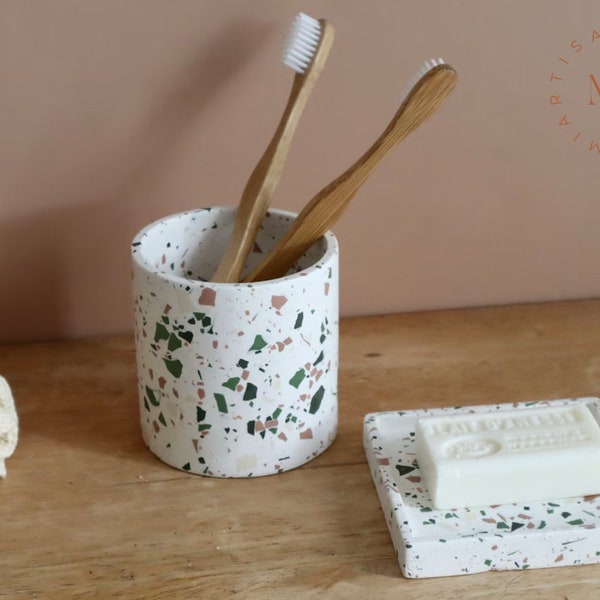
{"type": "Point", "coordinates": [301, 42]}
{"type": "Point", "coordinates": [425, 68]}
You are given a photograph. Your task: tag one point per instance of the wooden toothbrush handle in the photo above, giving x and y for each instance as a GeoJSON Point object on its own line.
{"type": "Point", "coordinates": [259, 189]}
{"type": "Point", "coordinates": [328, 205]}
{"type": "Point", "coordinates": [319, 215]}
{"type": "Point", "coordinates": [257, 194]}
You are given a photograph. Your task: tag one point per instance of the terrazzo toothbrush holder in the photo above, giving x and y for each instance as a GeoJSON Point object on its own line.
{"type": "Point", "coordinates": [234, 379]}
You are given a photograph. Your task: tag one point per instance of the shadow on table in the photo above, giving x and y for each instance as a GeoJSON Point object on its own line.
{"type": "Point", "coordinates": [77, 404]}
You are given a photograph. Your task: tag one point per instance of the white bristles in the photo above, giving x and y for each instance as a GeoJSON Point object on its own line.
{"type": "Point", "coordinates": [301, 42]}
{"type": "Point", "coordinates": [429, 64]}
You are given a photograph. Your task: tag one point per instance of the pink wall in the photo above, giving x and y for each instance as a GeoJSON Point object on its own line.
{"type": "Point", "coordinates": [115, 113]}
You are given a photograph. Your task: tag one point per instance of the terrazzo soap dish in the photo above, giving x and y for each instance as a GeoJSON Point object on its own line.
{"type": "Point", "coordinates": [545, 456]}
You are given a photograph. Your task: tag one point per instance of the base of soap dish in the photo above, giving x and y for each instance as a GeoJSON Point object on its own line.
{"type": "Point", "coordinates": [437, 543]}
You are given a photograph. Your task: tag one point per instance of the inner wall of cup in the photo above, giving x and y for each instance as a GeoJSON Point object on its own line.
{"type": "Point", "coordinates": [190, 245]}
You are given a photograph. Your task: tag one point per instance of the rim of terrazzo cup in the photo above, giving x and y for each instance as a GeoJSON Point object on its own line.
{"type": "Point", "coordinates": [328, 239]}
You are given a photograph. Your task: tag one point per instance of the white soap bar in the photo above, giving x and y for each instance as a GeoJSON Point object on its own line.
{"type": "Point", "coordinates": [9, 425]}
{"type": "Point", "coordinates": [524, 455]}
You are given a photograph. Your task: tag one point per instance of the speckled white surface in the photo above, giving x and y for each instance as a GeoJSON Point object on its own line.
{"type": "Point", "coordinates": [435, 543]}
{"type": "Point", "coordinates": [235, 380]}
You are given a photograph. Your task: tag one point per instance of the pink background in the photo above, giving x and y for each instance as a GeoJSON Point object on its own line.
{"type": "Point", "coordinates": [115, 113]}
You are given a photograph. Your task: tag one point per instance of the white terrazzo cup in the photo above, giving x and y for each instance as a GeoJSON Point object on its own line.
{"type": "Point", "coordinates": [235, 380]}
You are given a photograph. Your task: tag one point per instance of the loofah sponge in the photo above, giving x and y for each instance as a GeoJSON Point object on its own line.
{"type": "Point", "coordinates": [9, 425]}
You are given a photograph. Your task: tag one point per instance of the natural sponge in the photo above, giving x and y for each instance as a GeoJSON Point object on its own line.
{"type": "Point", "coordinates": [9, 424]}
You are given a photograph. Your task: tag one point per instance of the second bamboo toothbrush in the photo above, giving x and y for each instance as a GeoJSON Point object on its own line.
{"type": "Point", "coordinates": [306, 50]}
{"type": "Point", "coordinates": [434, 83]}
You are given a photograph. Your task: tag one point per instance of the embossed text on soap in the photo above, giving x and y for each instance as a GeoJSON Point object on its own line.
{"type": "Point", "coordinates": [497, 422]}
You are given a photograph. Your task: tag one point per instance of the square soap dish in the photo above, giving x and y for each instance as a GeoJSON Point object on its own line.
{"type": "Point", "coordinates": [437, 543]}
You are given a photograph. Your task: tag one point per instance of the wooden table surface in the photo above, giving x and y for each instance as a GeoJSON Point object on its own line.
{"type": "Point", "coordinates": [87, 512]}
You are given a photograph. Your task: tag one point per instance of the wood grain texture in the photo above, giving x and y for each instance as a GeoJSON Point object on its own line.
{"type": "Point", "coordinates": [87, 512]}
{"type": "Point", "coordinates": [256, 197]}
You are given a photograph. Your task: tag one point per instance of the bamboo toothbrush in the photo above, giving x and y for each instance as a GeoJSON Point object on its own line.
{"type": "Point", "coordinates": [432, 85]}
{"type": "Point", "coordinates": [306, 49]}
